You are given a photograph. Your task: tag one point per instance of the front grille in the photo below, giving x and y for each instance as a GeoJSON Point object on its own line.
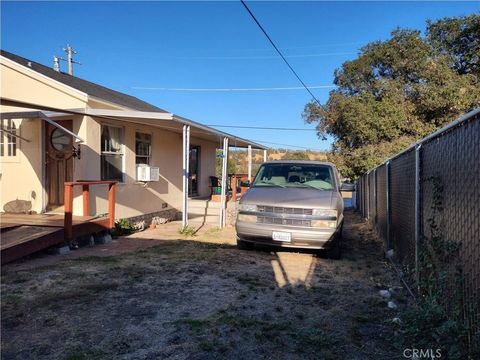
{"type": "Point", "coordinates": [282, 221]}
{"type": "Point", "coordinates": [284, 210]}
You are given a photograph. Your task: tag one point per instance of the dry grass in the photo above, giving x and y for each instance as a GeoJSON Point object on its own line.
{"type": "Point", "coordinates": [202, 298]}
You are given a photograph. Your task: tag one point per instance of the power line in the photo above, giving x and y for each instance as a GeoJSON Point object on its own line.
{"type": "Point", "coordinates": [278, 51]}
{"type": "Point", "coordinates": [293, 146]}
{"type": "Point", "coordinates": [261, 128]}
{"type": "Point", "coordinates": [232, 89]}
{"type": "Point", "coordinates": [253, 57]}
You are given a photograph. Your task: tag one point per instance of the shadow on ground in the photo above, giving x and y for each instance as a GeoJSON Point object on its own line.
{"type": "Point", "coordinates": [200, 299]}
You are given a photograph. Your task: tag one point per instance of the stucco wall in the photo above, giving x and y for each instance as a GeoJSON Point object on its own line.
{"type": "Point", "coordinates": [21, 176]}
{"type": "Point", "coordinates": [22, 84]}
{"type": "Point", "coordinates": [136, 198]}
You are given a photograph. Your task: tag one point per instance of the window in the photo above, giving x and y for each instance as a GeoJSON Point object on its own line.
{"type": "Point", "coordinates": [112, 153]}
{"type": "Point", "coordinates": [8, 142]}
{"type": "Point", "coordinates": [143, 148]}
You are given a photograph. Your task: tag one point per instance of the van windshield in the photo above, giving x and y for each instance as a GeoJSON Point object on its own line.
{"type": "Point", "coordinates": [295, 175]}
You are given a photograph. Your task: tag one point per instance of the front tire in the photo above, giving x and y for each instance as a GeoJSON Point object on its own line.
{"type": "Point", "coordinates": [244, 245]}
{"type": "Point", "coordinates": [335, 250]}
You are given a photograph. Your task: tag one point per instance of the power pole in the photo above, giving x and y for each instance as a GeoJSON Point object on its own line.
{"type": "Point", "coordinates": [69, 50]}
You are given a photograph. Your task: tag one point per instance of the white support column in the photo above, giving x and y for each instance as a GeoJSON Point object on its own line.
{"type": "Point", "coordinates": [223, 203]}
{"type": "Point", "coordinates": [185, 172]}
{"type": "Point", "coordinates": [249, 162]}
{"type": "Point", "coordinates": [265, 156]}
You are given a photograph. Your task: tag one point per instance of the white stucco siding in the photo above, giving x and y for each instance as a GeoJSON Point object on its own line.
{"type": "Point", "coordinates": [137, 198]}
{"type": "Point", "coordinates": [21, 176]}
{"type": "Point", "coordinates": [20, 83]}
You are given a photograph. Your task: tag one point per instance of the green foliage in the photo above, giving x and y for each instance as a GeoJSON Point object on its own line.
{"type": "Point", "coordinates": [187, 231]}
{"type": "Point", "coordinates": [122, 227]}
{"type": "Point", "coordinates": [400, 89]}
{"type": "Point", "coordinates": [438, 321]}
{"type": "Point", "coordinates": [459, 40]}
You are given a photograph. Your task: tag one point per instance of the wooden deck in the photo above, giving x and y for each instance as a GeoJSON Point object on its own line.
{"type": "Point", "coordinates": [22, 235]}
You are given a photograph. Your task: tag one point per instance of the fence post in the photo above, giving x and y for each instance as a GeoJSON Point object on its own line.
{"type": "Point", "coordinates": [367, 193]}
{"type": "Point", "coordinates": [417, 210]}
{"type": "Point", "coordinates": [388, 205]}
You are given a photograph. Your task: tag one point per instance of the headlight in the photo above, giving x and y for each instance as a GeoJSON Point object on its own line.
{"type": "Point", "coordinates": [325, 213]}
{"type": "Point", "coordinates": [324, 224]}
{"type": "Point", "coordinates": [247, 218]}
{"type": "Point", "coordinates": [248, 207]}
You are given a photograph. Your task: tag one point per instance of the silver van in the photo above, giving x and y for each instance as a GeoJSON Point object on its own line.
{"type": "Point", "coordinates": [295, 204]}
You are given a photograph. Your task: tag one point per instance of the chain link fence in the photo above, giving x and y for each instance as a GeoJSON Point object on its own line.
{"type": "Point", "coordinates": [428, 198]}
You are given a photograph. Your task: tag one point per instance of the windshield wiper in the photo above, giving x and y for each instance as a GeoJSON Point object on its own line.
{"type": "Point", "coordinates": [268, 184]}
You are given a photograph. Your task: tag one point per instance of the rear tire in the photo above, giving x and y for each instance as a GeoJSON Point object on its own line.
{"type": "Point", "coordinates": [244, 245]}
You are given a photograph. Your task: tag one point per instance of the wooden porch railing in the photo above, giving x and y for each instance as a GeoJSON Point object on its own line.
{"type": "Point", "coordinates": [85, 184]}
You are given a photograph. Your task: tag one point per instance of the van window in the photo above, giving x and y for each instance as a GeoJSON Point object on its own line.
{"type": "Point", "coordinates": [296, 176]}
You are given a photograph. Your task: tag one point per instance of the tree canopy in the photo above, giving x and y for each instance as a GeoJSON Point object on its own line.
{"type": "Point", "coordinates": [399, 90]}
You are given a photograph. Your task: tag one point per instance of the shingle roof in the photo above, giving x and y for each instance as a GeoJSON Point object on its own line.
{"type": "Point", "coordinates": [85, 86]}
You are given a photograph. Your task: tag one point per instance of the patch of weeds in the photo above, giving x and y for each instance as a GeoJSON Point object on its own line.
{"type": "Point", "coordinates": [336, 269]}
{"type": "Point", "coordinates": [78, 293]}
{"type": "Point", "coordinates": [316, 340]}
{"type": "Point", "coordinates": [321, 290]}
{"type": "Point", "coordinates": [213, 346]}
{"type": "Point", "coordinates": [187, 231]}
{"type": "Point", "coordinates": [251, 281]}
{"type": "Point", "coordinates": [122, 227]}
{"type": "Point", "coordinates": [99, 259]}
{"type": "Point", "coordinates": [355, 334]}
{"type": "Point", "coordinates": [438, 321]}
{"type": "Point", "coordinates": [194, 324]}
{"type": "Point", "coordinates": [17, 278]}
{"type": "Point", "coordinates": [84, 354]}
{"type": "Point", "coordinates": [300, 316]}
{"type": "Point", "coordinates": [362, 318]}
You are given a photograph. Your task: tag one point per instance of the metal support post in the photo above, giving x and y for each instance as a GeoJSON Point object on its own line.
{"type": "Point", "coordinates": [417, 209]}
{"type": "Point", "coordinates": [185, 173]}
{"type": "Point", "coordinates": [223, 202]}
{"type": "Point", "coordinates": [249, 162]}
{"type": "Point", "coordinates": [389, 217]}
{"type": "Point", "coordinates": [367, 197]}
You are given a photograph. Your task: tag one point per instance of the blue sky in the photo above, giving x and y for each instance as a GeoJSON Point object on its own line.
{"type": "Point", "coordinates": [132, 46]}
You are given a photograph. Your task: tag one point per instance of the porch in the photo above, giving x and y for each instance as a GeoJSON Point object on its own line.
{"type": "Point", "coordinates": [22, 235]}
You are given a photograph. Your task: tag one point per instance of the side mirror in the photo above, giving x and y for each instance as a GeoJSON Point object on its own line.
{"type": "Point", "coordinates": [245, 183]}
{"type": "Point", "coordinates": [347, 187]}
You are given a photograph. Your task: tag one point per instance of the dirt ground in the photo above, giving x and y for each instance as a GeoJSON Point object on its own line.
{"type": "Point", "coordinates": [159, 295]}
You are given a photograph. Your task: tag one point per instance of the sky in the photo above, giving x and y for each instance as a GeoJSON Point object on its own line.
{"type": "Point", "coordinates": [173, 53]}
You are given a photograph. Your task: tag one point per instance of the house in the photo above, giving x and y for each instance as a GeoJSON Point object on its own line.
{"type": "Point", "coordinates": [57, 128]}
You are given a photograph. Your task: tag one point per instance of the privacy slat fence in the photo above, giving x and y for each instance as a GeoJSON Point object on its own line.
{"type": "Point", "coordinates": [432, 190]}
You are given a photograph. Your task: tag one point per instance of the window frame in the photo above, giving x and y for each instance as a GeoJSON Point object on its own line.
{"type": "Point", "coordinates": [120, 153]}
{"type": "Point", "coordinates": [10, 144]}
{"type": "Point", "coordinates": [149, 156]}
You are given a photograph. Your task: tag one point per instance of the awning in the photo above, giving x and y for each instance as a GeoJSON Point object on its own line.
{"type": "Point", "coordinates": [162, 120]}
{"type": "Point", "coordinates": [38, 115]}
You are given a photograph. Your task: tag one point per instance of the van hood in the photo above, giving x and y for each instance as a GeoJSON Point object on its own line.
{"type": "Point", "coordinates": [289, 197]}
